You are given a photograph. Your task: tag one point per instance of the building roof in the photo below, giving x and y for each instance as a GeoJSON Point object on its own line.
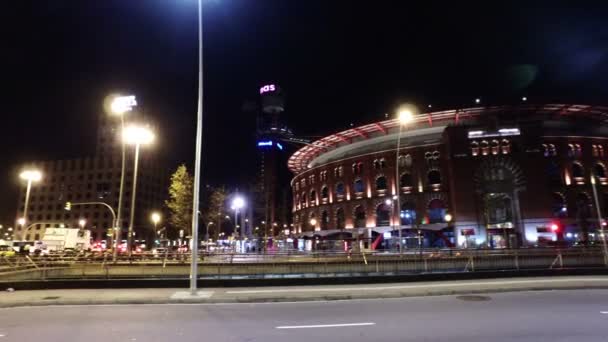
{"type": "Point", "coordinates": [301, 159]}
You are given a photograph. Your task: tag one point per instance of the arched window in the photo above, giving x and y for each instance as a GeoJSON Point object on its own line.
{"type": "Point", "coordinates": [505, 146]}
{"type": "Point", "coordinates": [474, 148]}
{"type": "Point", "coordinates": [357, 168]}
{"type": "Point", "coordinates": [313, 197]}
{"type": "Point", "coordinates": [383, 215]}
{"type": "Point", "coordinates": [408, 160]}
{"type": "Point", "coordinates": [600, 170]}
{"type": "Point", "coordinates": [495, 147]}
{"type": "Point", "coordinates": [381, 183]}
{"type": "Point", "coordinates": [324, 220]}
{"type": "Point", "coordinates": [552, 150]}
{"type": "Point", "coordinates": [434, 177]}
{"type": "Point", "coordinates": [340, 223]}
{"type": "Point", "coordinates": [383, 163]}
{"type": "Point", "coordinates": [594, 152]}
{"type": "Point", "coordinates": [577, 170]}
{"type": "Point", "coordinates": [571, 151]}
{"type": "Point", "coordinates": [324, 192]}
{"type": "Point", "coordinates": [553, 173]}
{"type": "Point", "coordinates": [436, 211]}
{"type": "Point", "coordinates": [340, 189]}
{"type": "Point", "coordinates": [484, 148]}
{"type": "Point", "coordinates": [558, 205]}
{"type": "Point", "coordinates": [600, 151]}
{"type": "Point", "coordinates": [358, 186]}
{"type": "Point", "coordinates": [401, 160]}
{"type": "Point", "coordinates": [359, 217]}
{"type": "Point", "coordinates": [406, 180]}
{"type": "Point", "coordinates": [545, 150]}
{"type": "Point", "coordinates": [377, 164]}
{"type": "Point", "coordinates": [408, 213]}
{"type": "Point", "coordinates": [577, 150]}
{"type": "Point", "coordinates": [304, 199]}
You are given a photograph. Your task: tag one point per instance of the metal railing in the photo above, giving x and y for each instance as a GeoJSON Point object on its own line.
{"type": "Point", "coordinates": [226, 265]}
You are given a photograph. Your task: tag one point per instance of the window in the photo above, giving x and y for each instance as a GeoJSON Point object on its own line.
{"type": "Point", "coordinates": [324, 192]}
{"type": "Point", "coordinates": [311, 179]}
{"type": "Point", "coordinates": [577, 170]}
{"type": "Point", "coordinates": [340, 189]}
{"type": "Point", "coordinates": [383, 163]}
{"type": "Point", "coordinates": [383, 215]}
{"type": "Point", "coordinates": [434, 177]}
{"type": "Point", "coordinates": [323, 175]}
{"type": "Point", "coordinates": [357, 168]}
{"type": "Point", "coordinates": [600, 151]}
{"type": "Point", "coordinates": [358, 186]}
{"type": "Point", "coordinates": [594, 152]}
{"type": "Point", "coordinates": [505, 146]}
{"type": "Point", "coordinates": [406, 180]}
{"type": "Point", "coordinates": [324, 220]}
{"type": "Point", "coordinates": [381, 183]}
{"type": "Point", "coordinates": [474, 148]}
{"type": "Point", "coordinates": [600, 170]}
{"type": "Point", "coordinates": [37, 237]}
{"type": "Point", "coordinates": [340, 224]}
{"type": "Point", "coordinates": [313, 197]}
{"type": "Point", "coordinates": [359, 217]}
{"type": "Point", "coordinates": [436, 211]}
{"type": "Point", "coordinates": [484, 148]}
{"type": "Point", "coordinates": [408, 213]}
{"type": "Point", "coordinates": [377, 164]}
{"type": "Point", "coordinates": [303, 182]}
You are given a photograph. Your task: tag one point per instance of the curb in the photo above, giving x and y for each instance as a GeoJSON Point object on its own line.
{"type": "Point", "coordinates": [311, 298]}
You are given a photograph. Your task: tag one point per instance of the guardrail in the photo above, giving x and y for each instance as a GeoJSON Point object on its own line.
{"type": "Point", "coordinates": [296, 265]}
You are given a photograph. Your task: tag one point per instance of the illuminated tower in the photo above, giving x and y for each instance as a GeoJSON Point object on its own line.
{"type": "Point", "coordinates": [271, 135]}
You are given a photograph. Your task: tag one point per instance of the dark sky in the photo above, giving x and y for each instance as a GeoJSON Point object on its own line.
{"type": "Point", "coordinates": [338, 61]}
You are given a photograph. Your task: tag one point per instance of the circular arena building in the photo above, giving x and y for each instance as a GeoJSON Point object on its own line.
{"type": "Point", "coordinates": [501, 176]}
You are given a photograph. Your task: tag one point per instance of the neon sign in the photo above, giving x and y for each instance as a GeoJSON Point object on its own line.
{"type": "Point", "coordinates": [265, 143]}
{"type": "Point", "coordinates": [267, 88]}
{"type": "Point", "coordinates": [280, 146]}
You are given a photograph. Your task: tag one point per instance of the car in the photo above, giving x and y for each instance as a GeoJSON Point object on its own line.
{"type": "Point", "coordinates": [7, 251]}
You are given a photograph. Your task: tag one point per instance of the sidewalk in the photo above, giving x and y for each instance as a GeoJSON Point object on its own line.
{"type": "Point", "coordinates": [293, 293]}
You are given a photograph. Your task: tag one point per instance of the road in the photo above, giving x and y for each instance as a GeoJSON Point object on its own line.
{"type": "Point", "coordinates": [555, 316]}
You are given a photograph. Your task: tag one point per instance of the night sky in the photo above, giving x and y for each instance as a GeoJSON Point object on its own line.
{"type": "Point", "coordinates": [338, 62]}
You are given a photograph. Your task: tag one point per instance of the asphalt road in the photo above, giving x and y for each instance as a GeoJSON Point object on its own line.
{"type": "Point", "coordinates": [576, 315]}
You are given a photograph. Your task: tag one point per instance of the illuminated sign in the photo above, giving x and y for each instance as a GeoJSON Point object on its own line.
{"type": "Point", "coordinates": [267, 88]}
{"type": "Point", "coordinates": [280, 146]}
{"type": "Point", "coordinates": [123, 104]}
{"type": "Point", "coordinates": [265, 143]}
{"type": "Point", "coordinates": [503, 132]}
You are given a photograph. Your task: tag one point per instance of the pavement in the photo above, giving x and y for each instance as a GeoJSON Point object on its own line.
{"type": "Point", "coordinates": [529, 316]}
{"type": "Point", "coordinates": [294, 293]}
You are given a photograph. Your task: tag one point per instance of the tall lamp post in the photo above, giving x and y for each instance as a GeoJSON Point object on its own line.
{"type": "Point", "coordinates": [121, 105]}
{"type": "Point", "coordinates": [135, 135]}
{"type": "Point", "coordinates": [405, 115]}
{"type": "Point", "coordinates": [237, 204]}
{"type": "Point", "coordinates": [155, 217]}
{"type": "Point", "coordinates": [30, 176]}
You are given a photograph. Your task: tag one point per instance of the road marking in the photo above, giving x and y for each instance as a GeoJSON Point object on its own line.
{"type": "Point", "coordinates": [604, 312]}
{"type": "Point", "coordinates": [324, 325]}
{"type": "Point", "coordinates": [399, 287]}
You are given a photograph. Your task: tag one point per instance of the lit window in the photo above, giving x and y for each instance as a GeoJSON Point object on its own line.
{"type": "Point", "coordinates": [495, 147]}
{"type": "Point", "coordinates": [474, 148]}
{"type": "Point", "coordinates": [505, 146]}
{"type": "Point", "coordinates": [484, 148]}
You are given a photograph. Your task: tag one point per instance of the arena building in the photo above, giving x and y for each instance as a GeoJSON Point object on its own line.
{"type": "Point", "coordinates": [500, 176]}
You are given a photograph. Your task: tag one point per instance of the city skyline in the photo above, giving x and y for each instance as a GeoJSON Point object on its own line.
{"type": "Point", "coordinates": [98, 49]}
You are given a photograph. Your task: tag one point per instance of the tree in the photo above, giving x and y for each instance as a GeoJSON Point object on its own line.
{"type": "Point", "coordinates": [215, 211]}
{"type": "Point", "coordinates": [180, 200]}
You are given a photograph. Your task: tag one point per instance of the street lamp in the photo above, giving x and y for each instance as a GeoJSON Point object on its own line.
{"type": "Point", "coordinates": [135, 135]}
{"type": "Point", "coordinates": [448, 217]}
{"type": "Point", "coordinates": [600, 220]}
{"type": "Point", "coordinates": [155, 217]}
{"type": "Point", "coordinates": [81, 223]}
{"type": "Point", "coordinates": [405, 115]}
{"type": "Point", "coordinates": [119, 106]}
{"type": "Point", "coordinates": [237, 204]}
{"type": "Point", "coordinates": [313, 223]}
{"type": "Point", "coordinates": [30, 176]}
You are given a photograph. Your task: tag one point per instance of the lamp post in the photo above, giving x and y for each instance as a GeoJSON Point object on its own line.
{"type": "Point", "coordinates": [391, 204]}
{"type": "Point", "coordinates": [120, 105]}
{"type": "Point", "coordinates": [237, 204]}
{"type": "Point", "coordinates": [405, 115]}
{"type": "Point", "coordinates": [155, 217]}
{"type": "Point", "coordinates": [135, 135]}
{"type": "Point", "coordinates": [600, 221]}
{"type": "Point", "coordinates": [30, 176]}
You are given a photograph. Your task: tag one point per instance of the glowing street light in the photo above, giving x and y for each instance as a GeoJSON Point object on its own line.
{"type": "Point", "coordinates": [135, 135]}
{"type": "Point", "coordinates": [155, 217]}
{"type": "Point", "coordinates": [30, 176]}
{"type": "Point", "coordinates": [82, 223]}
{"type": "Point", "coordinates": [448, 217]}
{"type": "Point", "coordinates": [313, 222]}
{"type": "Point", "coordinates": [238, 203]}
{"type": "Point", "coordinates": [119, 106]}
{"type": "Point", "coordinates": [405, 115]}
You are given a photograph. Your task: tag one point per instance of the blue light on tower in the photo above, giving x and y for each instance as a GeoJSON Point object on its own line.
{"type": "Point", "coordinates": [265, 143]}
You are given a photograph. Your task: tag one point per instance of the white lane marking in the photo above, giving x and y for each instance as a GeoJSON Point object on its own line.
{"type": "Point", "coordinates": [398, 287]}
{"type": "Point", "coordinates": [604, 312]}
{"type": "Point", "coordinates": [1, 335]}
{"type": "Point", "coordinates": [324, 325]}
